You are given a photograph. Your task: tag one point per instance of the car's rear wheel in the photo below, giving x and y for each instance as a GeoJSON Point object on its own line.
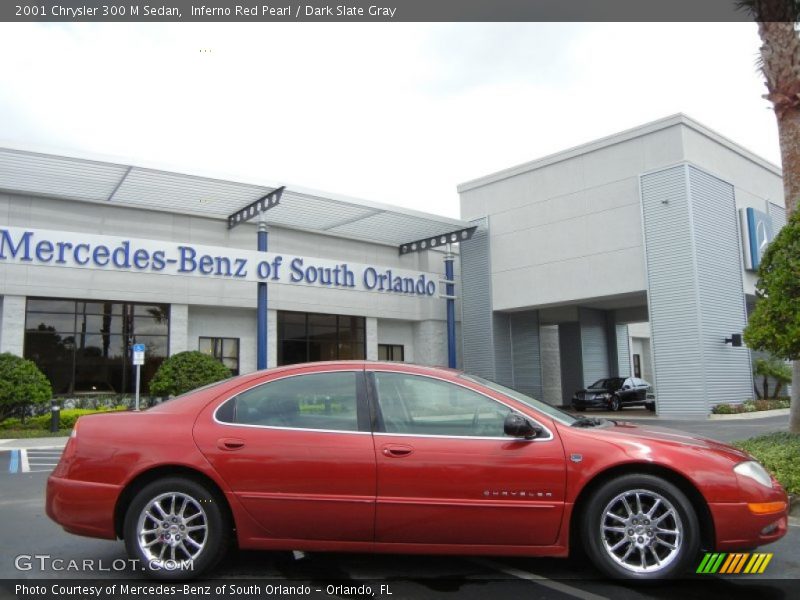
{"type": "Point", "coordinates": [651, 406]}
{"type": "Point", "coordinates": [640, 527]}
{"type": "Point", "coordinates": [614, 404]}
{"type": "Point", "coordinates": [176, 528]}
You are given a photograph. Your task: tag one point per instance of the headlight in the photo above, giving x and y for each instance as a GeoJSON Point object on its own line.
{"type": "Point", "coordinates": [754, 471]}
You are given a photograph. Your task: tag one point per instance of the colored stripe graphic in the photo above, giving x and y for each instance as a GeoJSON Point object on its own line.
{"type": "Point", "coordinates": [740, 563]}
{"type": "Point", "coordinates": [735, 563]}
{"type": "Point", "coordinates": [728, 562]}
{"type": "Point", "coordinates": [702, 567]}
{"type": "Point", "coordinates": [768, 557]}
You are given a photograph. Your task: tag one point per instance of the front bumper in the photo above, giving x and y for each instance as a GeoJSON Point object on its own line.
{"type": "Point", "coordinates": [82, 507]}
{"type": "Point", "coordinates": [590, 402]}
{"type": "Point", "coordinates": [737, 528]}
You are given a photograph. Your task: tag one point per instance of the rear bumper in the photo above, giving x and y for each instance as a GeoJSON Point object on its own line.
{"type": "Point", "coordinates": [82, 507]}
{"type": "Point", "coordinates": [737, 528]}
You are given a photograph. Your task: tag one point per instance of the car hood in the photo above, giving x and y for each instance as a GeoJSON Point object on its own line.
{"type": "Point", "coordinates": [633, 431]}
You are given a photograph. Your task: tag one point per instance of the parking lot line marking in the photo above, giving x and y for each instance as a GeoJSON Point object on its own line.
{"type": "Point", "coordinates": [13, 463]}
{"type": "Point", "coordinates": [23, 461]}
{"type": "Point", "coordinates": [540, 580]}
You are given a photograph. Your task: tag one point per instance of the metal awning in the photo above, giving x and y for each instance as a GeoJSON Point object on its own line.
{"type": "Point", "coordinates": [98, 181]}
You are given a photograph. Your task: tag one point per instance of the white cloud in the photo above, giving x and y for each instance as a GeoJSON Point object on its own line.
{"type": "Point", "coordinates": [398, 113]}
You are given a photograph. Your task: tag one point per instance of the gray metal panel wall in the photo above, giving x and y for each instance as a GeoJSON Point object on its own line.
{"type": "Point", "coordinates": [778, 214]}
{"type": "Point", "coordinates": [720, 288]}
{"type": "Point", "coordinates": [569, 346]}
{"type": "Point", "coordinates": [594, 345]}
{"type": "Point", "coordinates": [623, 351]}
{"type": "Point", "coordinates": [477, 321]}
{"type": "Point", "coordinates": [672, 293]}
{"type": "Point", "coordinates": [503, 357]}
{"type": "Point", "coordinates": [527, 359]}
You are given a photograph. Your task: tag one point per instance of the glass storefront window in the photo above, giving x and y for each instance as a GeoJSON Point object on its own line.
{"type": "Point", "coordinates": [225, 350]}
{"type": "Point", "coordinates": [308, 337]}
{"type": "Point", "coordinates": [84, 346]}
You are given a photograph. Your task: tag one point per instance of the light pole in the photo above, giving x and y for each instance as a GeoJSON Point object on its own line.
{"type": "Point", "coordinates": [259, 207]}
{"type": "Point", "coordinates": [447, 240]}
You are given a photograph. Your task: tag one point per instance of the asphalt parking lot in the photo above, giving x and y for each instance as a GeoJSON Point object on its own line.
{"type": "Point", "coordinates": [26, 532]}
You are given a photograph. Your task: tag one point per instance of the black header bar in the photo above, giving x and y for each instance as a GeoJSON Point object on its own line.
{"type": "Point", "coordinates": [374, 11]}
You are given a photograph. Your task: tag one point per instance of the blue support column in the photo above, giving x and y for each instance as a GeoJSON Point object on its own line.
{"type": "Point", "coordinates": [450, 291]}
{"type": "Point", "coordinates": [261, 329]}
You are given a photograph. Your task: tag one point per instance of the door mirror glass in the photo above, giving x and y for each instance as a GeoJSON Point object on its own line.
{"type": "Point", "coordinates": [516, 425]}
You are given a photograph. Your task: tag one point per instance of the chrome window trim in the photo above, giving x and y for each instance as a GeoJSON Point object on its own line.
{"type": "Point", "coordinates": [462, 437]}
{"type": "Point", "coordinates": [278, 427]}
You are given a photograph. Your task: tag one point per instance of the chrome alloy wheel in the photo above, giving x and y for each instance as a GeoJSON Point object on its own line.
{"type": "Point", "coordinates": [641, 531]}
{"type": "Point", "coordinates": [172, 527]}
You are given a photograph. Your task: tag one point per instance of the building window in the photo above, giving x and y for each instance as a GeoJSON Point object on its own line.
{"type": "Point", "coordinates": [84, 346]}
{"type": "Point", "coordinates": [393, 352]}
{"type": "Point", "coordinates": [637, 365]}
{"type": "Point", "coordinates": [225, 350]}
{"type": "Point", "coordinates": [308, 337]}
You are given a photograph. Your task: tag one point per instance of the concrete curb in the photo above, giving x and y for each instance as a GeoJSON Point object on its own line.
{"type": "Point", "coordinates": [33, 443]}
{"type": "Point", "coordinates": [760, 414]}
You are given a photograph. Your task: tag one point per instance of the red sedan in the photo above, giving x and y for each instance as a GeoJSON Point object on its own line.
{"type": "Point", "coordinates": [388, 457]}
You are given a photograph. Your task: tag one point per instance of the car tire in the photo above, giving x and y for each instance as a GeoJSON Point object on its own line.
{"type": "Point", "coordinates": [614, 404]}
{"type": "Point", "coordinates": [651, 406]}
{"type": "Point", "coordinates": [192, 537]}
{"type": "Point", "coordinates": [579, 408]}
{"type": "Point", "coordinates": [640, 527]}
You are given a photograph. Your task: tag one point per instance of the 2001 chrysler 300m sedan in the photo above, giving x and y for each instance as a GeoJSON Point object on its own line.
{"type": "Point", "coordinates": [387, 457]}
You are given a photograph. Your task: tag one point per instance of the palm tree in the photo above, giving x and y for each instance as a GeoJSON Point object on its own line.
{"type": "Point", "coordinates": [780, 63]}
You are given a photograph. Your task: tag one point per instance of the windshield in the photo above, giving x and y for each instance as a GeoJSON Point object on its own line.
{"type": "Point", "coordinates": [605, 384]}
{"type": "Point", "coordinates": [551, 411]}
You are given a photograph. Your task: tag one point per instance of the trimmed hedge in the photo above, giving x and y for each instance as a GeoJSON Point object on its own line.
{"type": "Point", "coordinates": [186, 371]}
{"type": "Point", "coordinates": [66, 421]}
{"type": "Point", "coordinates": [22, 385]}
{"type": "Point", "coordinates": [780, 454]}
{"type": "Point", "coordinates": [749, 406]}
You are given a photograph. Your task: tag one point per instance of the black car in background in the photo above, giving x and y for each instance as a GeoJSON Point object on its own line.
{"type": "Point", "coordinates": [613, 393]}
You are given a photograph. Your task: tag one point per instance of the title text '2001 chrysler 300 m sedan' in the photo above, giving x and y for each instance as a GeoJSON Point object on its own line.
{"type": "Point", "coordinates": [387, 457]}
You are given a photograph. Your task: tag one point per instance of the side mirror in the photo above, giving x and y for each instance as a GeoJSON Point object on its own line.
{"type": "Point", "coordinates": [516, 425]}
{"type": "Point", "coordinates": [626, 387]}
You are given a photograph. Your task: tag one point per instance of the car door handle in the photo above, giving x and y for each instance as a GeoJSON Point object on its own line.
{"type": "Point", "coordinates": [397, 451]}
{"type": "Point", "coordinates": [230, 444]}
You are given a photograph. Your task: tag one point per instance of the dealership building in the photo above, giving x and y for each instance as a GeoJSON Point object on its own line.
{"type": "Point", "coordinates": [631, 255]}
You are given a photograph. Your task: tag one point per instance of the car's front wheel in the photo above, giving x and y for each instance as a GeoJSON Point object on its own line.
{"type": "Point", "coordinates": [640, 527]}
{"type": "Point", "coordinates": [176, 528]}
{"type": "Point", "coordinates": [614, 404]}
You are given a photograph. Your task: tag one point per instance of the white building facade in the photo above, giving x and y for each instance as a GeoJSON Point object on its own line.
{"type": "Point", "coordinates": [661, 225]}
{"type": "Point", "coordinates": [96, 256]}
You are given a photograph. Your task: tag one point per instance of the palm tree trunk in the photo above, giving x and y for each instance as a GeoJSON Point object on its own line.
{"type": "Point", "coordinates": [789, 135]}
{"type": "Point", "coordinates": [794, 413]}
{"type": "Point", "coordinates": [780, 57]}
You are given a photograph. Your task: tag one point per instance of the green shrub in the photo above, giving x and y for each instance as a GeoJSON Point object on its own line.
{"type": "Point", "coordinates": [186, 371]}
{"type": "Point", "coordinates": [22, 385]}
{"type": "Point", "coordinates": [42, 422]}
{"type": "Point", "coordinates": [780, 454]}
{"type": "Point", "coordinates": [68, 417]}
{"type": "Point", "coordinates": [749, 406]}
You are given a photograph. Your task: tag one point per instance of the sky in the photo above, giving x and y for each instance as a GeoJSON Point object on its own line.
{"type": "Point", "coordinates": [398, 113]}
